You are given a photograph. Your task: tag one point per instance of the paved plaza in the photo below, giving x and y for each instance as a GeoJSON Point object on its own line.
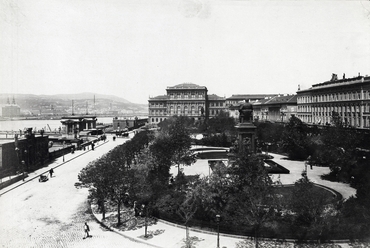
{"type": "Point", "coordinates": [52, 214]}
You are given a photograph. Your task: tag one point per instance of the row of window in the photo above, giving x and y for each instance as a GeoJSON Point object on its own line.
{"type": "Point", "coordinates": [157, 120]}
{"type": "Point", "coordinates": [158, 104]}
{"type": "Point", "coordinates": [187, 95]}
{"type": "Point", "coordinates": [352, 108]}
{"type": "Point", "coordinates": [342, 96]}
{"type": "Point", "coordinates": [216, 104]}
{"type": "Point", "coordinates": [215, 112]}
{"type": "Point", "coordinates": [355, 121]}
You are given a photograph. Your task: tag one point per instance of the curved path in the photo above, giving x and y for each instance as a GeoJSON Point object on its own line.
{"type": "Point", "coordinates": [297, 167]}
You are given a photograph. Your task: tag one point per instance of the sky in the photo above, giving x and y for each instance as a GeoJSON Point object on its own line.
{"type": "Point", "coordinates": [135, 49]}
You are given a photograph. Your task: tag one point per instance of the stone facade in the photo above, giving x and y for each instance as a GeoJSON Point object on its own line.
{"type": "Point", "coordinates": [185, 99]}
{"type": "Point", "coordinates": [348, 97]}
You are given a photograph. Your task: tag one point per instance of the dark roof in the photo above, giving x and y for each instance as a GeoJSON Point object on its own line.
{"type": "Point", "coordinates": [187, 86]}
{"type": "Point", "coordinates": [76, 117]}
{"type": "Point", "coordinates": [250, 96]}
{"type": "Point", "coordinates": [337, 83]}
{"type": "Point", "coordinates": [261, 101]}
{"type": "Point", "coordinates": [283, 99]}
{"type": "Point", "coordinates": [158, 98]}
{"type": "Point", "coordinates": [215, 97]}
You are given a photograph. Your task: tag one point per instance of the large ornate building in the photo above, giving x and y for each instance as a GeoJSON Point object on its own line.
{"type": "Point", "coordinates": [348, 97]}
{"type": "Point", "coordinates": [185, 99]}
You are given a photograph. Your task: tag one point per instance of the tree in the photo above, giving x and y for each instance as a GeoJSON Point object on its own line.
{"type": "Point", "coordinates": [312, 213]}
{"type": "Point", "coordinates": [186, 211]}
{"type": "Point", "coordinates": [252, 201]}
{"type": "Point", "coordinates": [95, 176]}
{"type": "Point", "coordinates": [161, 152]}
{"type": "Point", "coordinates": [181, 144]}
{"type": "Point", "coordinates": [221, 123]}
{"type": "Point", "coordinates": [214, 192]}
{"type": "Point", "coordinates": [294, 139]}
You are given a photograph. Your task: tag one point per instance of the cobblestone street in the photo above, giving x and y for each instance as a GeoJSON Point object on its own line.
{"type": "Point", "coordinates": [52, 214]}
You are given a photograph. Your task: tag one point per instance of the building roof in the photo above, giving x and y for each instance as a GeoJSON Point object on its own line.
{"type": "Point", "coordinates": [250, 96]}
{"type": "Point", "coordinates": [261, 101]}
{"type": "Point", "coordinates": [282, 99]}
{"type": "Point", "coordinates": [159, 98]}
{"type": "Point", "coordinates": [186, 86]}
{"type": "Point", "coordinates": [214, 97]}
{"type": "Point", "coordinates": [337, 83]}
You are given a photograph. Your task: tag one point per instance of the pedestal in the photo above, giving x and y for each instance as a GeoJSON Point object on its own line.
{"type": "Point", "coordinates": [247, 137]}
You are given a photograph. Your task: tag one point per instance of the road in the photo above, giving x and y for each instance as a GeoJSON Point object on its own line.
{"type": "Point", "coordinates": [52, 214]}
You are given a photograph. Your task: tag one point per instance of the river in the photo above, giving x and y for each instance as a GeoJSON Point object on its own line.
{"type": "Point", "coordinates": [16, 125]}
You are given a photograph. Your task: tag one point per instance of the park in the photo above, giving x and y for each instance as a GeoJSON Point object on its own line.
{"type": "Point", "coordinates": [156, 176]}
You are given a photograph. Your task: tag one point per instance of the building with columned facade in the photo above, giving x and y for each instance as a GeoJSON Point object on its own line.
{"type": "Point", "coordinates": [185, 99]}
{"type": "Point", "coordinates": [348, 97]}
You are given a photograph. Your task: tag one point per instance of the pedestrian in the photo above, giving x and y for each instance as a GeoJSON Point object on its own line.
{"type": "Point", "coordinates": [87, 230]}
{"type": "Point", "coordinates": [51, 171]}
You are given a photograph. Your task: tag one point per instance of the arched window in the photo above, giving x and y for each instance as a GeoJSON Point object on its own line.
{"type": "Point", "coordinates": [192, 110]}
{"type": "Point", "coordinates": [178, 110]}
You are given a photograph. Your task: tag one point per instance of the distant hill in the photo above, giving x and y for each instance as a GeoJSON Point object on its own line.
{"type": "Point", "coordinates": [61, 104]}
{"type": "Point", "coordinates": [88, 95]}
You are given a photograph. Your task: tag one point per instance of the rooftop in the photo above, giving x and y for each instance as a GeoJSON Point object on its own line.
{"type": "Point", "coordinates": [334, 82]}
{"type": "Point", "coordinates": [250, 96]}
{"type": "Point", "coordinates": [187, 86]}
{"type": "Point", "coordinates": [161, 97]}
{"type": "Point", "coordinates": [215, 97]}
{"type": "Point", "coordinates": [282, 99]}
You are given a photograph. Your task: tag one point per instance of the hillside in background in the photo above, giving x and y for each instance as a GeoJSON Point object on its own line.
{"type": "Point", "coordinates": [83, 103]}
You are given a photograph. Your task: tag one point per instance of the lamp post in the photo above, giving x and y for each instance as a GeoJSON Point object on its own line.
{"type": "Point", "coordinates": [23, 165]}
{"type": "Point", "coordinates": [145, 208]}
{"type": "Point", "coordinates": [27, 159]}
{"type": "Point", "coordinates": [218, 218]}
{"type": "Point", "coordinates": [63, 149]}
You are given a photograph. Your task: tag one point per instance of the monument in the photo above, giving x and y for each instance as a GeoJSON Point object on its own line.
{"type": "Point", "coordinates": [246, 129]}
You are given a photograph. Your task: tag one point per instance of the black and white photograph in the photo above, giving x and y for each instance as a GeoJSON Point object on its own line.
{"type": "Point", "coordinates": [185, 123]}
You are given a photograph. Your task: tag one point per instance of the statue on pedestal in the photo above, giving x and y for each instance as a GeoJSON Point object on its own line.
{"type": "Point", "coordinates": [245, 113]}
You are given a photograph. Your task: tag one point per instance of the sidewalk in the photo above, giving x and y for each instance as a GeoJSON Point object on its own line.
{"type": "Point", "coordinates": [60, 161]}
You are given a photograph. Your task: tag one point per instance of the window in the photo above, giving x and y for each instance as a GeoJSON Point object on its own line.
{"type": "Point", "coordinates": [178, 110]}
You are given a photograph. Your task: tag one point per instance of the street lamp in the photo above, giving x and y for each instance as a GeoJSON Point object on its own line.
{"type": "Point", "coordinates": [144, 208]}
{"type": "Point", "coordinates": [218, 218]}
{"type": "Point", "coordinates": [27, 158]}
{"type": "Point", "coordinates": [23, 166]}
{"type": "Point", "coordinates": [63, 149]}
